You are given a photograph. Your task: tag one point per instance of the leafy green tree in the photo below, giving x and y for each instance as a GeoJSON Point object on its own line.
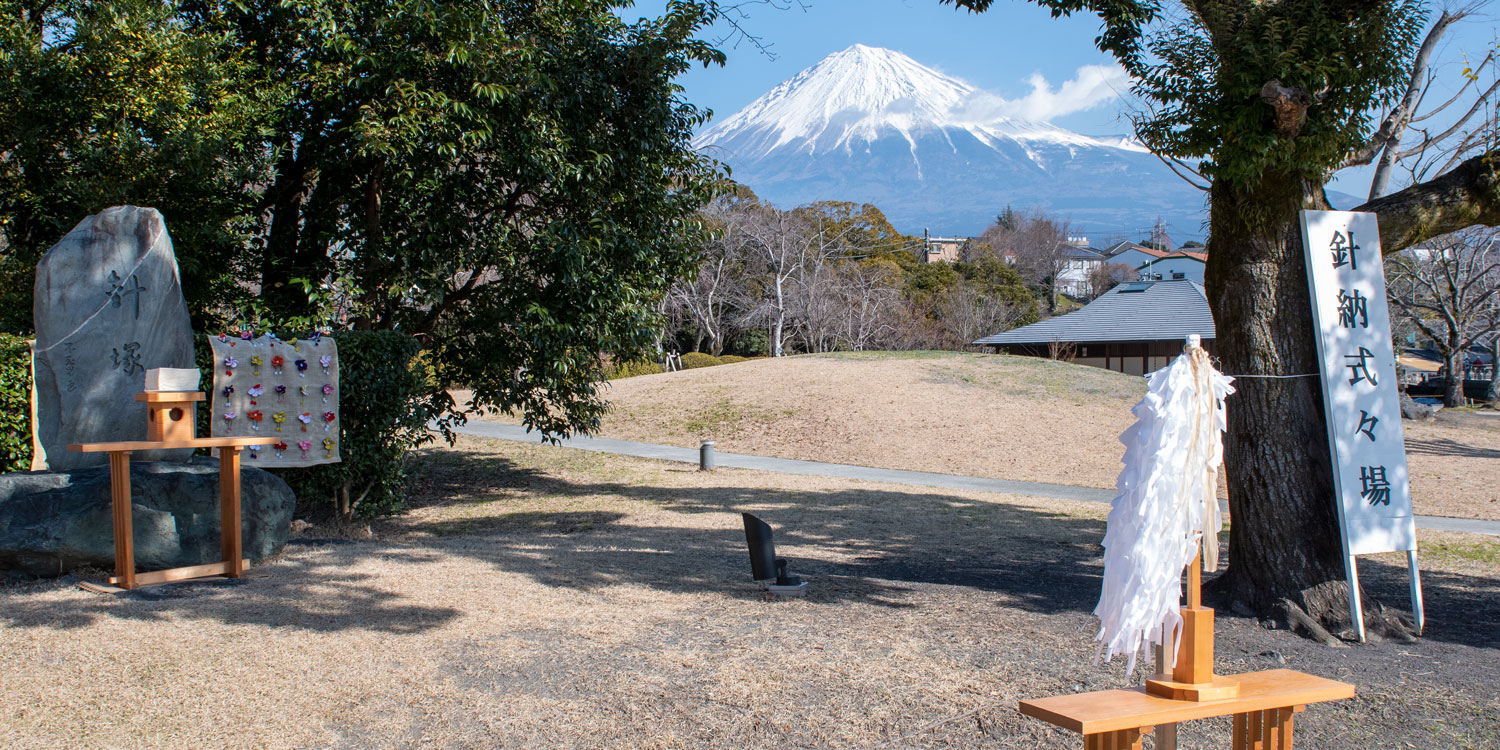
{"type": "Point", "coordinates": [927, 282]}
{"type": "Point", "coordinates": [1008, 220]}
{"type": "Point", "coordinates": [861, 228]}
{"type": "Point", "coordinates": [117, 102]}
{"type": "Point", "coordinates": [1269, 98]}
{"type": "Point", "coordinates": [992, 277]}
{"type": "Point", "coordinates": [510, 181]}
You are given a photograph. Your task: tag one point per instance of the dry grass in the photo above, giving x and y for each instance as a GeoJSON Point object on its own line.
{"type": "Point", "coordinates": [547, 598]}
{"type": "Point", "coordinates": [975, 414]}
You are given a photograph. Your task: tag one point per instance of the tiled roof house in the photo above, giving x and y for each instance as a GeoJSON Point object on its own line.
{"type": "Point", "coordinates": [1135, 328]}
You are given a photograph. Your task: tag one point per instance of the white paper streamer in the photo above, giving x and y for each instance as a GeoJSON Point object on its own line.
{"type": "Point", "coordinates": [1166, 505]}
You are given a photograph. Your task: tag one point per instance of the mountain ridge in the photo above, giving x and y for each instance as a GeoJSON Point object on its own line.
{"type": "Point", "coordinates": [872, 125]}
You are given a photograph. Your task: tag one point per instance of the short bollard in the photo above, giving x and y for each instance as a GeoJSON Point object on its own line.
{"type": "Point", "coordinates": [706, 456]}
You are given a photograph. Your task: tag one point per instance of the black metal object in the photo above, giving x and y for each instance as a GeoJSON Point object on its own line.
{"type": "Point", "coordinates": [763, 562]}
{"type": "Point", "coordinates": [762, 550]}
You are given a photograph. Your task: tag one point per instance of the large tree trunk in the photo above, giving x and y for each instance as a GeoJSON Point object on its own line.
{"type": "Point", "coordinates": [1453, 361]}
{"type": "Point", "coordinates": [284, 238]}
{"type": "Point", "coordinates": [1285, 555]}
{"type": "Point", "coordinates": [1494, 395]}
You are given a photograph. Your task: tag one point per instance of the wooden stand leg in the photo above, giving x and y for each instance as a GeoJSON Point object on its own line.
{"type": "Point", "coordinates": [119, 497]}
{"type": "Point", "coordinates": [229, 510]}
{"type": "Point", "coordinates": [1166, 734]}
{"type": "Point", "coordinates": [1123, 739]}
{"type": "Point", "coordinates": [1270, 729]}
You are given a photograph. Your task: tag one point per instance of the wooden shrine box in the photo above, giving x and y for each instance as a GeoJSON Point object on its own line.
{"type": "Point", "coordinates": [171, 415]}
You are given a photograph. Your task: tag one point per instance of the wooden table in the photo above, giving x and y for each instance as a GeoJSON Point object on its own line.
{"type": "Point", "coordinates": [229, 506]}
{"type": "Point", "coordinates": [1115, 719]}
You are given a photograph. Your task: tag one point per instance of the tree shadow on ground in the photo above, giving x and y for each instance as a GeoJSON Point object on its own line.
{"type": "Point", "coordinates": [858, 544]}
{"type": "Point", "coordinates": [1447, 447]}
{"type": "Point", "coordinates": [310, 587]}
{"type": "Point", "coordinates": [865, 544]}
{"type": "Point", "coordinates": [1460, 609]}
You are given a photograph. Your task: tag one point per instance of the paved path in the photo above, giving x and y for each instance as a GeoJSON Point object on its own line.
{"type": "Point", "coordinates": [893, 476]}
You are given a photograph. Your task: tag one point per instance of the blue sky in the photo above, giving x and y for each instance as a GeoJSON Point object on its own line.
{"type": "Point", "coordinates": [1008, 51]}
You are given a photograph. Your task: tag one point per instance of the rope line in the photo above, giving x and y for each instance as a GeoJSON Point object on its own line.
{"type": "Point", "coordinates": [1278, 377]}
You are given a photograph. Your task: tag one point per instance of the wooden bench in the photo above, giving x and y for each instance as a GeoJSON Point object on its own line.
{"type": "Point", "coordinates": [1115, 719]}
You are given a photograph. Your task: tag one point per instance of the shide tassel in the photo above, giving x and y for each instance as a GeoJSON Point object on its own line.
{"type": "Point", "coordinates": [1166, 506]}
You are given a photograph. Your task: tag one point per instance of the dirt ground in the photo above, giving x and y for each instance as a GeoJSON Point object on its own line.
{"type": "Point", "coordinates": [542, 597]}
{"type": "Point", "coordinates": [982, 415]}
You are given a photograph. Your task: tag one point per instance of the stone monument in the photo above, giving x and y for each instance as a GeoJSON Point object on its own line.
{"type": "Point", "coordinates": [108, 307]}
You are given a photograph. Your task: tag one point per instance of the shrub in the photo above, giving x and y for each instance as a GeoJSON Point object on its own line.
{"type": "Point", "coordinates": [694, 360]}
{"type": "Point", "coordinates": [632, 369]}
{"type": "Point", "coordinates": [749, 343]}
{"type": "Point", "coordinates": [729, 359]}
{"type": "Point", "coordinates": [390, 393]}
{"type": "Point", "coordinates": [15, 403]}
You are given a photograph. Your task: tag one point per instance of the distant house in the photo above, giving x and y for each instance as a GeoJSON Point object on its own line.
{"type": "Point", "coordinates": [1182, 264]}
{"type": "Point", "coordinates": [1135, 328]}
{"type": "Point", "coordinates": [949, 249]}
{"type": "Point", "coordinates": [1151, 264]}
{"type": "Point", "coordinates": [1130, 254]}
{"type": "Point", "coordinates": [1078, 263]}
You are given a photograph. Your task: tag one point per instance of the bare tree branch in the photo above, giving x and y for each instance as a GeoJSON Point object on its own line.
{"type": "Point", "coordinates": [1178, 167]}
{"type": "Point", "coordinates": [735, 14]}
{"type": "Point", "coordinates": [1389, 132]}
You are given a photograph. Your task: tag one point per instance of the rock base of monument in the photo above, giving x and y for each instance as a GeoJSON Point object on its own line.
{"type": "Point", "coordinates": [53, 523]}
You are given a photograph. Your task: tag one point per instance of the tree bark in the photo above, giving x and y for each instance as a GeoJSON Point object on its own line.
{"type": "Point", "coordinates": [1464, 197]}
{"type": "Point", "coordinates": [1453, 360]}
{"type": "Point", "coordinates": [1284, 543]}
{"type": "Point", "coordinates": [284, 236]}
{"type": "Point", "coordinates": [1494, 395]}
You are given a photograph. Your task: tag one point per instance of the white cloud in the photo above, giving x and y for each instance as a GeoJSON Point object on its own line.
{"type": "Point", "coordinates": [1091, 86]}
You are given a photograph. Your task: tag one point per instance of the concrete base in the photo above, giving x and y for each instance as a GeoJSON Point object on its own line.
{"type": "Point", "coordinates": [794, 590]}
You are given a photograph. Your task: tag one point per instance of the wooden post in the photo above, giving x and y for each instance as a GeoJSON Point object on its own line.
{"type": "Point", "coordinates": [1166, 733]}
{"type": "Point", "coordinates": [229, 509]}
{"type": "Point", "coordinates": [1193, 678]}
{"type": "Point", "coordinates": [119, 494]}
{"type": "Point", "coordinates": [1195, 652]}
{"type": "Point", "coordinates": [1124, 739]}
{"type": "Point", "coordinates": [1270, 729]}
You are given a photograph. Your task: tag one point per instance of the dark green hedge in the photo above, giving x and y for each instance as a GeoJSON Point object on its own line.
{"type": "Point", "coordinates": [694, 360]}
{"type": "Point", "coordinates": [15, 403]}
{"type": "Point", "coordinates": [388, 393]}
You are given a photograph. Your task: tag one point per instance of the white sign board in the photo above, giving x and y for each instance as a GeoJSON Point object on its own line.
{"type": "Point", "coordinates": [1347, 282]}
{"type": "Point", "coordinates": [1346, 279]}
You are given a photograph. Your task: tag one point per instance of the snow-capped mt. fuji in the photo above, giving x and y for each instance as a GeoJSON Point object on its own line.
{"type": "Point", "coordinates": [872, 125]}
{"type": "Point", "coordinates": [865, 93]}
